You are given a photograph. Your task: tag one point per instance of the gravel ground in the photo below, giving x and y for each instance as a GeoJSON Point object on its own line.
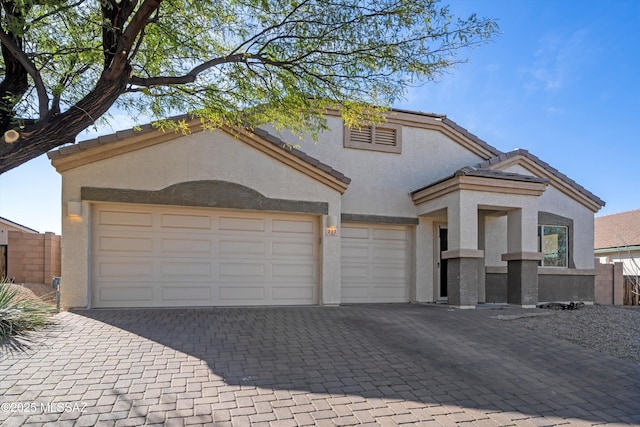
{"type": "Point", "coordinates": [614, 331]}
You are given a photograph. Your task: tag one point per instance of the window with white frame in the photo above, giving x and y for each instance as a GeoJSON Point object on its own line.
{"type": "Point", "coordinates": [385, 137]}
{"type": "Point", "coordinates": [554, 244]}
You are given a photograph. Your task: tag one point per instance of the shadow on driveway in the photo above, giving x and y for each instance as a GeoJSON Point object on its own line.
{"type": "Point", "coordinates": [431, 356]}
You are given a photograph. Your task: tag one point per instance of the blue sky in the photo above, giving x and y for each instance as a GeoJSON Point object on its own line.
{"type": "Point", "coordinates": [562, 81]}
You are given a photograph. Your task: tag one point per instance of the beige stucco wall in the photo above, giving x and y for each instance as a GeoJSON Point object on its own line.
{"type": "Point", "coordinates": [381, 182]}
{"type": "Point", "coordinates": [495, 240]}
{"type": "Point", "coordinates": [201, 156]}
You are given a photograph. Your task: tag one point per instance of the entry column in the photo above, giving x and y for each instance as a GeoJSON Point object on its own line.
{"type": "Point", "coordinates": [522, 256]}
{"type": "Point", "coordinates": [464, 258]}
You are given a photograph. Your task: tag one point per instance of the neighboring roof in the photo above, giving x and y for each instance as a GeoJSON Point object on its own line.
{"type": "Point", "coordinates": [617, 230]}
{"type": "Point", "coordinates": [16, 225]}
{"type": "Point", "coordinates": [553, 172]}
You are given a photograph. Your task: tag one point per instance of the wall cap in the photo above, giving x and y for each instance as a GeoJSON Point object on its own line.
{"type": "Point", "coordinates": [522, 256]}
{"type": "Point", "coordinates": [566, 271]}
{"type": "Point", "coordinates": [463, 253]}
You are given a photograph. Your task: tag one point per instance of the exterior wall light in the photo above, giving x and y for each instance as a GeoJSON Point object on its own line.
{"type": "Point", "coordinates": [74, 209]}
{"type": "Point", "coordinates": [332, 225]}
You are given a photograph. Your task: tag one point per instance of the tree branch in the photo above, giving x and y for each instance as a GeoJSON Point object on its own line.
{"type": "Point", "coordinates": [130, 34]}
{"type": "Point", "coordinates": [21, 57]}
{"type": "Point", "coordinates": [190, 77]}
{"type": "Point", "coordinates": [56, 11]}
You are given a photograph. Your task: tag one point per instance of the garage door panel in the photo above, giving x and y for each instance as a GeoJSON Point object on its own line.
{"type": "Point", "coordinates": [387, 253]}
{"type": "Point", "coordinates": [355, 293]}
{"type": "Point", "coordinates": [114, 296]}
{"type": "Point", "coordinates": [243, 225]}
{"type": "Point", "coordinates": [387, 234]}
{"type": "Point", "coordinates": [185, 222]}
{"type": "Point", "coordinates": [298, 270]}
{"type": "Point", "coordinates": [185, 246]}
{"type": "Point", "coordinates": [350, 273]}
{"type": "Point", "coordinates": [350, 253]}
{"type": "Point", "coordinates": [241, 247]}
{"type": "Point", "coordinates": [354, 232]}
{"type": "Point", "coordinates": [185, 269]}
{"type": "Point", "coordinates": [186, 293]}
{"type": "Point", "coordinates": [296, 293]}
{"type": "Point", "coordinates": [389, 272]}
{"type": "Point", "coordinates": [125, 218]}
{"type": "Point", "coordinates": [375, 263]}
{"type": "Point", "coordinates": [124, 244]}
{"type": "Point", "coordinates": [241, 270]}
{"type": "Point", "coordinates": [130, 268]}
{"type": "Point", "coordinates": [293, 226]}
{"type": "Point", "coordinates": [293, 249]}
{"type": "Point", "coordinates": [243, 293]}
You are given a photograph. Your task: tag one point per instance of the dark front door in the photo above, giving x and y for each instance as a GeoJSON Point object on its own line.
{"type": "Point", "coordinates": [3, 261]}
{"type": "Point", "coordinates": [442, 235]}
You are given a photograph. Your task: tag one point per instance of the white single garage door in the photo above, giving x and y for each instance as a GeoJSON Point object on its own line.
{"type": "Point", "coordinates": [374, 263]}
{"type": "Point", "coordinates": [148, 256]}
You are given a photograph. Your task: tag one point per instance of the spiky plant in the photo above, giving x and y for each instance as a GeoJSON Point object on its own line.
{"type": "Point", "coordinates": [20, 314]}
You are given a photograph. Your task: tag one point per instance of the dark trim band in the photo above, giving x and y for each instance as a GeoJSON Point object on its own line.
{"type": "Point", "coordinates": [378, 219]}
{"type": "Point", "coordinates": [211, 194]}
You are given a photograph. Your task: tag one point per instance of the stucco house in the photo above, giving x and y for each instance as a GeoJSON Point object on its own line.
{"type": "Point", "coordinates": [414, 210]}
{"type": "Point", "coordinates": [617, 239]}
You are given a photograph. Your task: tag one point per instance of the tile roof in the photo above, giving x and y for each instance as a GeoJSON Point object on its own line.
{"type": "Point", "coordinates": [498, 174]}
{"type": "Point", "coordinates": [456, 127]}
{"type": "Point", "coordinates": [301, 155]}
{"type": "Point", "coordinates": [544, 165]}
{"type": "Point", "coordinates": [481, 168]}
{"type": "Point", "coordinates": [617, 230]}
{"type": "Point", "coordinates": [486, 173]}
{"type": "Point", "coordinates": [106, 139]}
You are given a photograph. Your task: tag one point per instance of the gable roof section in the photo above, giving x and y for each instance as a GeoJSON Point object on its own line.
{"type": "Point", "coordinates": [17, 226]}
{"type": "Point", "coordinates": [450, 128]}
{"type": "Point", "coordinates": [122, 142]}
{"type": "Point", "coordinates": [541, 168]}
{"type": "Point", "coordinates": [617, 230]}
{"type": "Point", "coordinates": [439, 123]}
{"type": "Point", "coordinates": [465, 178]}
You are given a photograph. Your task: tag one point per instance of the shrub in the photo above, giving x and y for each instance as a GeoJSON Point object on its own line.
{"type": "Point", "coordinates": [20, 314]}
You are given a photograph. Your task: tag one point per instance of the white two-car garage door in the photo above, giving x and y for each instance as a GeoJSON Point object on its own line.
{"type": "Point", "coordinates": [374, 263]}
{"type": "Point", "coordinates": [147, 256]}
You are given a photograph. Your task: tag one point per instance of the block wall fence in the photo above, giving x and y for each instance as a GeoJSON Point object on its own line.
{"type": "Point", "coordinates": [609, 283]}
{"type": "Point", "coordinates": [33, 258]}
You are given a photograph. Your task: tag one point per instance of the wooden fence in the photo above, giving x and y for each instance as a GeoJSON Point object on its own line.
{"type": "Point", "coordinates": [631, 290]}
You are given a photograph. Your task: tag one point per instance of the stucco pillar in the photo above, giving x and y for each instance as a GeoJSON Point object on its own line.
{"type": "Point", "coordinates": [75, 253]}
{"type": "Point", "coordinates": [522, 256]}
{"type": "Point", "coordinates": [464, 257]}
{"type": "Point", "coordinates": [330, 284]}
{"type": "Point", "coordinates": [482, 294]}
{"type": "Point", "coordinates": [423, 289]}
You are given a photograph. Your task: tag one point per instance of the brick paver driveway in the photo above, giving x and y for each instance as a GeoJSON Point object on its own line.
{"type": "Point", "coordinates": [350, 365]}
